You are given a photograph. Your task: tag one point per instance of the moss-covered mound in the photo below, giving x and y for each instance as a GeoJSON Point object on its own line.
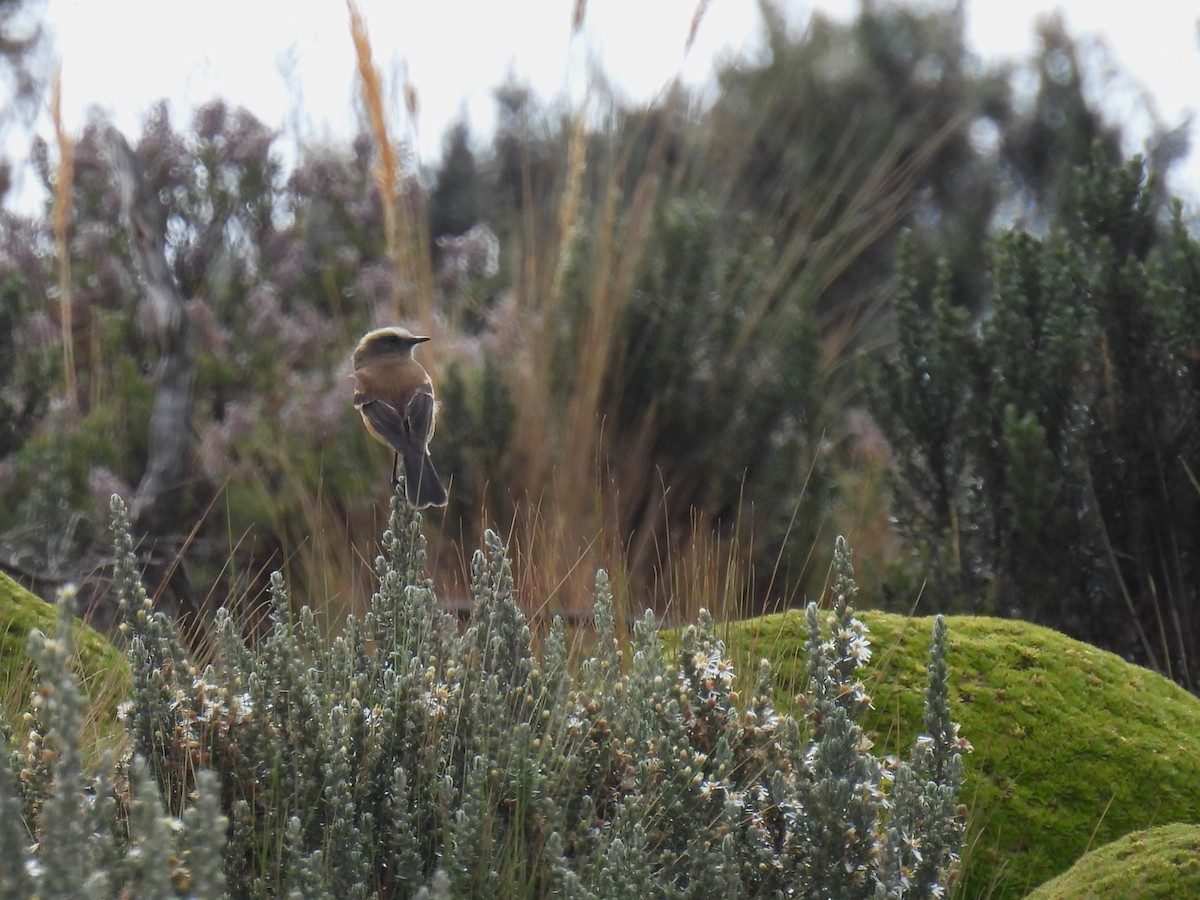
{"type": "Point", "coordinates": [103, 670]}
{"type": "Point", "coordinates": [1158, 862]}
{"type": "Point", "coordinates": [1074, 747]}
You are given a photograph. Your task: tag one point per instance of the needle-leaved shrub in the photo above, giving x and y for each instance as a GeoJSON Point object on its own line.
{"type": "Point", "coordinates": [404, 756]}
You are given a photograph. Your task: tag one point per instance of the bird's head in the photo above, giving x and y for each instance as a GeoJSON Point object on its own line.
{"type": "Point", "coordinates": [395, 340]}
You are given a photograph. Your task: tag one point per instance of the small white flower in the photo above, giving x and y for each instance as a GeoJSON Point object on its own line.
{"type": "Point", "coordinates": [708, 787]}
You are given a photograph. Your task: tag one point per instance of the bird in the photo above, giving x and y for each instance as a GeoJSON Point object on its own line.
{"type": "Point", "coordinates": [394, 395]}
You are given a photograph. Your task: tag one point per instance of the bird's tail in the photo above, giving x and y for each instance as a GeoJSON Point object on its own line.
{"type": "Point", "coordinates": [421, 483]}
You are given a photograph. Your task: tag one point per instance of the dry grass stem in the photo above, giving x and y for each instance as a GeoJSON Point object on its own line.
{"type": "Point", "coordinates": [61, 223]}
{"type": "Point", "coordinates": [404, 222]}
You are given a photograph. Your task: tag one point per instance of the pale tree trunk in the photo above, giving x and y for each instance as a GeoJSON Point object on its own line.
{"type": "Point", "coordinates": [158, 503]}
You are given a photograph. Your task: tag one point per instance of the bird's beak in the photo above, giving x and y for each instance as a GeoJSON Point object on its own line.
{"type": "Point", "coordinates": [419, 339]}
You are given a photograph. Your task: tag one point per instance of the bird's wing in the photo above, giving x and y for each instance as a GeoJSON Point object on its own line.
{"type": "Point", "coordinates": [385, 420]}
{"type": "Point", "coordinates": [420, 410]}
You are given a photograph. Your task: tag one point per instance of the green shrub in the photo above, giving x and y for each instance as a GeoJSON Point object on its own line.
{"type": "Point", "coordinates": [404, 754]}
{"type": "Point", "coordinates": [1048, 452]}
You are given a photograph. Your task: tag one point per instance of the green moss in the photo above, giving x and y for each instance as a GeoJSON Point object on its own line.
{"type": "Point", "coordinates": [1158, 862]}
{"type": "Point", "coordinates": [1074, 747]}
{"type": "Point", "coordinates": [103, 670]}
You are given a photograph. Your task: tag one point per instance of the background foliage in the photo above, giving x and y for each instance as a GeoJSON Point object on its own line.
{"type": "Point", "coordinates": [645, 327]}
{"type": "Point", "coordinates": [1048, 452]}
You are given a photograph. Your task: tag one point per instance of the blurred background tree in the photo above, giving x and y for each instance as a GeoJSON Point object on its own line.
{"type": "Point", "coordinates": [1048, 451]}
{"type": "Point", "coordinates": [23, 69]}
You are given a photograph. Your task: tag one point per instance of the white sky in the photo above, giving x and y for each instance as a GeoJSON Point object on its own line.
{"type": "Point", "coordinates": [291, 62]}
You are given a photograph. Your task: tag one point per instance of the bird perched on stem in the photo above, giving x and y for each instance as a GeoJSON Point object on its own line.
{"type": "Point", "coordinates": [394, 395]}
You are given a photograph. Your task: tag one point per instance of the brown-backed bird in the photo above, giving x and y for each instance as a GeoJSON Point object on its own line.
{"type": "Point", "coordinates": [394, 395]}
